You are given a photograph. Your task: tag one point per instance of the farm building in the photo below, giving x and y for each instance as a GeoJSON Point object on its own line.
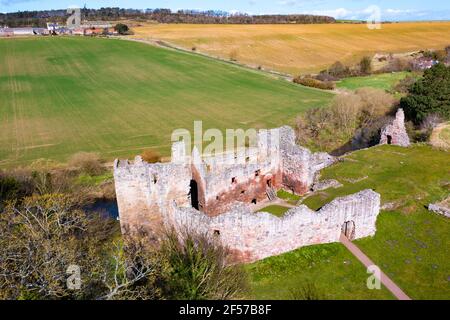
{"type": "Point", "coordinates": [93, 31]}
{"type": "Point", "coordinates": [23, 31]}
{"type": "Point", "coordinates": [423, 63]}
{"type": "Point", "coordinates": [78, 31]}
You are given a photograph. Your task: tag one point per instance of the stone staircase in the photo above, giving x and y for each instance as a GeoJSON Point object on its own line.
{"type": "Point", "coordinates": [271, 194]}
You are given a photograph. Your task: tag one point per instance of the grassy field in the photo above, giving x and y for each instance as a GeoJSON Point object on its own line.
{"type": "Point", "coordinates": [411, 244]}
{"type": "Point", "coordinates": [60, 96]}
{"type": "Point", "coordinates": [385, 81]}
{"type": "Point", "coordinates": [298, 49]}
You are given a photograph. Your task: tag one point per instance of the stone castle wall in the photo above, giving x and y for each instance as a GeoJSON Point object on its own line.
{"type": "Point", "coordinates": [154, 196]}
{"type": "Point", "coordinates": [145, 190]}
{"type": "Point", "coordinates": [254, 236]}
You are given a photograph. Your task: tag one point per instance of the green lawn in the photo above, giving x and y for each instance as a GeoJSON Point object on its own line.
{"type": "Point", "coordinates": [411, 244]}
{"type": "Point", "coordinates": [60, 96]}
{"type": "Point", "coordinates": [384, 81]}
{"type": "Point", "coordinates": [288, 196]}
{"type": "Point", "coordinates": [276, 210]}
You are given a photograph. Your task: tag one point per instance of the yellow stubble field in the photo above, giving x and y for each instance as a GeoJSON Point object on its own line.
{"type": "Point", "coordinates": [298, 49]}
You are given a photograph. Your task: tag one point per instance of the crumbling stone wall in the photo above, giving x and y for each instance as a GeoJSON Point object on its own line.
{"type": "Point", "coordinates": [275, 162]}
{"type": "Point", "coordinates": [243, 175]}
{"type": "Point", "coordinates": [153, 196]}
{"type": "Point", "coordinates": [395, 133]}
{"type": "Point", "coordinates": [143, 191]}
{"type": "Point", "coordinates": [254, 236]}
{"type": "Point", "coordinates": [442, 208]}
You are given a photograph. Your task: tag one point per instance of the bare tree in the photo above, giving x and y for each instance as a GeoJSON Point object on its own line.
{"type": "Point", "coordinates": [40, 238]}
{"type": "Point", "coordinates": [133, 271]}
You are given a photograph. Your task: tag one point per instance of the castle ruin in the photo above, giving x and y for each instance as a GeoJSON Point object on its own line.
{"type": "Point", "coordinates": [395, 132]}
{"type": "Point", "coordinates": [215, 195]}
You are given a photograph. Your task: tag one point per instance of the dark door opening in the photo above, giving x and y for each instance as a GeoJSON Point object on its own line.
{"type": "Point", "coordinates": [389, 139]}
{"type": "Point", "coordinates": [194, 194]}
{"type": "Point", "coordinates": [348, 229]}
{"type": "Point", "coordinates": [269, 183]}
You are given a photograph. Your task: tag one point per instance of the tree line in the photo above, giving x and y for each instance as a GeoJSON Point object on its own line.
{"type": "Point", "coordinates": [40, 18]}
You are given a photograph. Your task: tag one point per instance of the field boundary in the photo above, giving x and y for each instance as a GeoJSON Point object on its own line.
{"type": "Point", "coordinates": [167, 45]}
{"type": "Point", "coordinates": [267, 72]}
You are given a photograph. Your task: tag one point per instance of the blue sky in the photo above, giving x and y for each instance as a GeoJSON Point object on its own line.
{"type": "Point", "coordinates": [343, 9]}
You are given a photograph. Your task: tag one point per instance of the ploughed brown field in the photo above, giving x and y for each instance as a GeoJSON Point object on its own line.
{"type": "Point", "coordinates": [297, 49]}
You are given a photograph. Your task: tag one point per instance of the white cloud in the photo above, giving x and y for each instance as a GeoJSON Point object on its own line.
{"type": "Point", "coordinates": [287, 3]}
{"type": "Point", "coordinates": [339, 13]}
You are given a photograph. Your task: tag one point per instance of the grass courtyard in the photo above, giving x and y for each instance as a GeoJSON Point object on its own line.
{"type": "Point", "coordinates": [60, 96]}
{"type": "Point", "coordinates": [276, 210]}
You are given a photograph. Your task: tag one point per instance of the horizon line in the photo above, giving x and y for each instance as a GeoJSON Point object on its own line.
{"type": "Point", "coordinates": [234, 13]}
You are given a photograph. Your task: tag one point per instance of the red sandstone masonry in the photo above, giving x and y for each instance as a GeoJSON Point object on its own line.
{"type": "Point", "coordinates": [255, 236]}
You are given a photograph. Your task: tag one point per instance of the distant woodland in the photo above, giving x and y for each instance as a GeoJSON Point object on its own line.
{"type": "Point", "coordinates": [40, 18]}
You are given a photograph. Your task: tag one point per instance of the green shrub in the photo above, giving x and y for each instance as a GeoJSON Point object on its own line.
{"type": "Point", "coordinates": [405, 84]}
{"type": "Point", "coordinates": [86, 162]}
{"type": "Point", "coordinates": [308, 291]}
{"type": "Point", "coordinates": [314, 83]}
{"type": "Point", "coordinates": [365, 65]}
{"type": "Point", "coordinates": [122, 29]}
{"type": "Point", "coordinates": [429, 95]}
{"type": "Point", "coordinates": [197, 270]}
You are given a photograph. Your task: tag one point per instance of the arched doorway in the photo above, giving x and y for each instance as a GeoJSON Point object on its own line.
{"type": "Point", "coordinates": [348, 229]}
{"type": "Point", "coordinates": [194, 194]}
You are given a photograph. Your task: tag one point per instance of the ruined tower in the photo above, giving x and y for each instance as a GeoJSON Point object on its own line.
{"type": "Point", "coordinates": [395, 132]}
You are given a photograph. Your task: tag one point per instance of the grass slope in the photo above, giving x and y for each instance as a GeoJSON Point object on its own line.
{"type": "Point", "coordinates": [330, 267]}
{"type": "Point", "coordinates": [300, 48]}
{"type": "Point", "coordinates": [411, 244]}
{"type": "Point", "coordinates": [60, 96]}
{"type": "Point", "coordinates": [385, 81]}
